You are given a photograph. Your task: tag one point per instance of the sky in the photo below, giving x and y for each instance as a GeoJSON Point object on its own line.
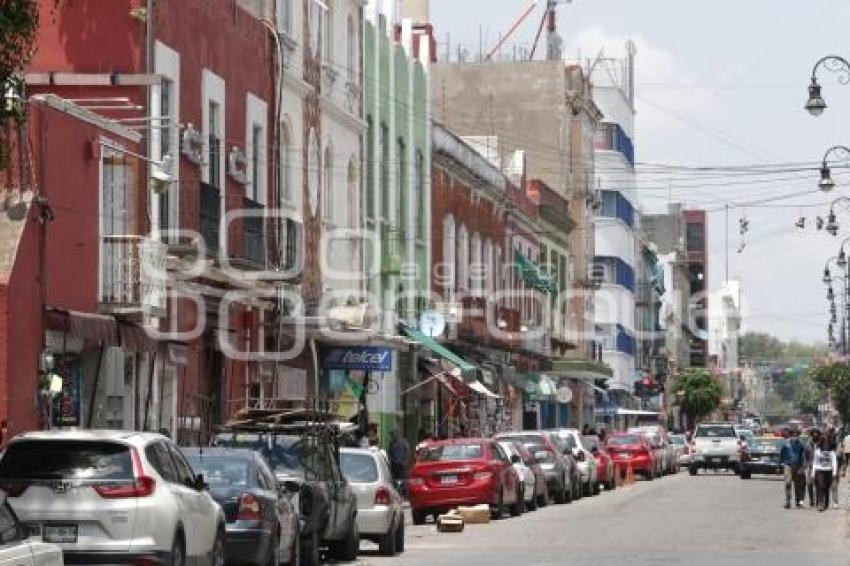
{"type": "Point", "coordinates": [718, 84]}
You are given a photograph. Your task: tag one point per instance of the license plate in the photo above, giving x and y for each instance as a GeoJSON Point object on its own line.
{"type": "Point", "coordinates": [59, 534]}
{"type": "Point", "coordinates": [448, 480]}
{"type": "Point", "coordinates": [624, 455]}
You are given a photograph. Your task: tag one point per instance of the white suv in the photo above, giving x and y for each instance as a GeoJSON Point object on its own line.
{"type": "Point", "coordinates": [112, 497]}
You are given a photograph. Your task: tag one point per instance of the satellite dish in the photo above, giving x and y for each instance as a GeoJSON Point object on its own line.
{"type": "Point", "coordinates": [564, 395]}
{"type": "Point", "coordinates": [432, 323]}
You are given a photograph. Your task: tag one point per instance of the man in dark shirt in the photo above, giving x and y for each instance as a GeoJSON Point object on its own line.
{"type": "Point", "coordinates": [399, 453]}
{"type": "Point", "coordinates": [792, 459]}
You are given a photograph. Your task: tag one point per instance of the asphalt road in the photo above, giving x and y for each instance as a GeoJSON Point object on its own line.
{"type": "Point", "coordinates": [711, 520]}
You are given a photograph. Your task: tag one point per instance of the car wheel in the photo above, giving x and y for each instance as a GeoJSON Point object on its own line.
{"type": "Point", "coordinates": [217, 556]}
{"type": "Point", "coordinates": [518, 507]}
{"type": "Point", "coordinates": [274, 552]}
{"type": "Point", "coordinates": [387, 543]}
{"type": "Point", "coordinates": [309, 553]}
{"type": "Point", "coordinates": [597, 488]}
{"type": "Point", "coordinates": [347, 550]}
{"type": "Point", "coordinates": [399, 537]}
{"type": "Point", "coordinates": [499, 509]}
{"type": "Point", "coordinates": [419, 516]}
{"type": "Point", "coordinates": [533, 503]}
{"type": "Point", "coordinates": [746, 474]}
{"type": "Point", "coordinates": [178, 551]}
{"type": "Point", "coordinates": [692, 470]}
{"type": "Point", "coordinates": [543, 500]}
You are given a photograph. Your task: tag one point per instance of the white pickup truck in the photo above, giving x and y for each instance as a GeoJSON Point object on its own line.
{"type": "Point", "coordinates": [715, 446]}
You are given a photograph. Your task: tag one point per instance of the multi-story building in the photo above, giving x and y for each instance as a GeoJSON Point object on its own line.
{"type": "Point", "coordinates": [616, 261]}
{"type": "Point", "coordinates": [493, 98]}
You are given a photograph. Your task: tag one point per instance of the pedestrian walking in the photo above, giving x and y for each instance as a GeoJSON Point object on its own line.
{"type": "Point", "coordinates": [792, 459]}
{"type": "Point", "coordinates": [809, 455]}
{"type": "Point", "coordinates": [399, 454]}
{"type": "Point", "coordinates": [824, 467]}
{"type": "Point", "coordinates": [846, 454]}
{"type": "Point", "coordinates": [833, 443]}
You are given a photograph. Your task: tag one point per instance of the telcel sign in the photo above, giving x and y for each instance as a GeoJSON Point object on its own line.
{"type": "Point", "coordinates": [364, 358]}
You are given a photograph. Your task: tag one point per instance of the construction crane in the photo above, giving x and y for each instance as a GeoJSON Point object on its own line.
{"type": "Point", "coordinates": [550, 16]}
{"type": "Point", "coordinates": [513, 29]}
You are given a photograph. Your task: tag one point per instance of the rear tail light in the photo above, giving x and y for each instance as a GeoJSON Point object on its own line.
{"type": "Point", "coordinates": [142, 486]}
{"type": "Point", "coordinates": [416, 481]}
{"type": "Point", "coordinates": [382, 496]}
{"type": "Point", "coordinates": [14, 489]}
{"type": "Point", "coordinates": [482, 476]}
{"type": "Point", "coordinates": [249, 508]}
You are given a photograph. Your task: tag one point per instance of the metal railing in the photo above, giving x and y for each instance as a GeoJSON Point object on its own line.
{"type": "Point", "coordinates": [132, 278]}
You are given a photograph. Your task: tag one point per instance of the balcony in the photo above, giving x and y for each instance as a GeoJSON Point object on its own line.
{"type": "Point", "coordinates": [131, 281]}
{"type": "Point", "coordinates": [555, 209]}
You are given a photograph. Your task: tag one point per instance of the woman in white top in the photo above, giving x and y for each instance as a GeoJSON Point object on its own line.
{"type": "Point", "coordinates": [824, 468]}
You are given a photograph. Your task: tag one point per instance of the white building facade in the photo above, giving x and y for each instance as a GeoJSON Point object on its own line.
{"type": "Point", "coordinates": [615, 261]}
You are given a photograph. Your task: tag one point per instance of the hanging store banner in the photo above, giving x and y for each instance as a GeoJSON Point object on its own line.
{"type": "Point", "coordinates": [66, 403]}
{"type": "Point", "coordinates": [365, 358]}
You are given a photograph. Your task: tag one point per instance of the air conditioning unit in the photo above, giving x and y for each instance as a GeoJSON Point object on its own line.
{"type": "Point", "coordinates": [237, 166]}
{"type": "Point", "coordinates": [192, 144]}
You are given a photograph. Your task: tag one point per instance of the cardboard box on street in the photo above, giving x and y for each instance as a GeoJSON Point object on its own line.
{"type": "Point", "coordinates": [478, 515]}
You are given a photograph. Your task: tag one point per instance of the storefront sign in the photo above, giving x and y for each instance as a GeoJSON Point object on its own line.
{"type": "Point", "coordinates": [366, 358]}
{"type": "Point", "coordinates": [66, 403]}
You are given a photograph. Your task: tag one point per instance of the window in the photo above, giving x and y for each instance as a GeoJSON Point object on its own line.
{"type": "Point", "coordinates": [224, 471]}
{"type": "Point", "coordinates": [385, 172]}
{"type": "Point", "coordinates": [66, 459]}
{"type": "Point", "coordinates": [358, 468]}
{"type": "Point", "coordinates": [328, 33]}
{"type": "Point", "coordinates": [401, 183]}
{"type": "Point", "coordinates": [487, 262]}
{"type": "Point", "coordinates": [477, 269]}
{"type": "Point", "coordinates": [353, 212]}
{"type": "Point", "coordinates": [370, 168]}
{"type": "Point", "coordinates": [450, 452]}
{"type": "Point", "coordinates": [462, 258]}
{"type": "Point", "coordinates": [419, 207]}
{"type": "Point", "coordinates": [214, 145]}
{"type": "Point", "coordinates": [284, 16]}
{"type": "Point", "coordinates": [157, 455]}
{"type": "Point", "coordinates": [449, 248]}
{"type": "Point", "coordinates": [165, 111]}
{"type": "Point", "coordinates": [696, 237]}
{"type": "Point", "coordinates": [328, 192]}
{"type": "Point", "coordinates": [313, 172]}
{"type": "Point", "coordinates": [256, 162]}
{"type": "Point", "coordinates": [185, 475]}
{"type": "Point", "coordinates": [291, 239]}
{"type": "Point", "coordinates": [286, 168]}
{"type": "Point", "coordinates": [314, 13]}
{"type": "Point", "coordinates": [351, 51]}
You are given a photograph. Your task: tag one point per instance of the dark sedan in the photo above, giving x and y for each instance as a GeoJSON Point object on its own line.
{"type": "Point", "coordinates": [262, 524]}
{"type": "Point", "coordinates": [761, 456]}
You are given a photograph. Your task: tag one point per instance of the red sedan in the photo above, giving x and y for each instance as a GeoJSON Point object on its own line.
{"type": "Point", "coordinates": [604, 462]}
{"type": "Point", "coordinates": [634, 449]}
{"type": "Point", "coordinates": [463, 471]}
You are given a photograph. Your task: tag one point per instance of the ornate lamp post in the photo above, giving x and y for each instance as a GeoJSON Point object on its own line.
{"type": "Point", "coordinates": [815, 105]}
{"type": "Point", "coordinates": [826, 183]}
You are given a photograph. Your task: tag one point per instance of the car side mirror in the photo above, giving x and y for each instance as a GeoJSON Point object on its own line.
{"type": "Point", "coordinates": [199, 484]}
{"type": "Point", "coordinates": [515, 459]}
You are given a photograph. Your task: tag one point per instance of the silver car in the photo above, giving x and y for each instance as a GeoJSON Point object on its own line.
{"type": "Point", "coordinates": [380, 516]}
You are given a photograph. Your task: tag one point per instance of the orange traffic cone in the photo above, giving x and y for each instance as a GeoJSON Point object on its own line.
{"type": "Point", "coordinates": [630, 475]}
{"type": "Point", "coordinates": [620, 475]}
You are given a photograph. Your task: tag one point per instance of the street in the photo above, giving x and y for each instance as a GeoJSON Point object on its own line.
{"type": "Point", "coordinates": [707, 520]}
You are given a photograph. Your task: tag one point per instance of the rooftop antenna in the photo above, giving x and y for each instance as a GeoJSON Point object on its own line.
{"type": "Point", "coordinates": [553, 41]}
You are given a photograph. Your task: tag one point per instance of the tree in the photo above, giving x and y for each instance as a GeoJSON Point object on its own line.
{"type": "Point", "coordinates": [836, 378]}
{"type": "Point", "coordinates": [697, 392]}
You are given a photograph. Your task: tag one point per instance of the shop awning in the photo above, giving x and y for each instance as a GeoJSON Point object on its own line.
{"type": "Point", "coordinates": [479, 387]}
{"type": "Point", "coordinates": [92, 327]}
{"type": "Point", "coordinates": [581, 369]}
{"type": "Point", "coordinates": [533, 276]}
{"type": "Point", "coordinates": [466, 368]}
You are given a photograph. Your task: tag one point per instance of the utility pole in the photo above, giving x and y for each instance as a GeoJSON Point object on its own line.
{"type": "Point", "coordinates": [727, 241]}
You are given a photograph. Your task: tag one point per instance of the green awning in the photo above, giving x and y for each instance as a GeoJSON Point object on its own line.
{"type": "Point", "coordinates": [466, 368]}
{"type": "Point", "coordinates": [581, 369]}
{"type": "Point", "coordinates": [533, 276]}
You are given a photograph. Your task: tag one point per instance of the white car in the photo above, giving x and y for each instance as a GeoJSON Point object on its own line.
{"type": "Point", "coordinates": [17, 549]}
{"type": "Point", "coordinates": [113, 497]}
{"type": "Point", "coordinates": [587, 464]}
{"type": "Point", "coordinates": [380, 514]}
{"type": "Point", "coordinates": [526, 474]}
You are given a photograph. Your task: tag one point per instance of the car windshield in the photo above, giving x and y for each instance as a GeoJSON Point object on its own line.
{"type": "Point", "coordinates": [677, 439]}
{"type": "Point", "coordinates": [66, 459]}
{"type": "Point", "coordinates": [624, 440]}
{"type": "Point", "coordinates": [358, 468]}
{"type": "Point", "coordinates": [449, 452]}
{"type": "Point", "coordinates": [285, 454]}
{"type": "Point", "coordinates": [767, 444]}
{"type": "Point", "coordinates": [524, 439]}
{"type": "Point", "coordinates": [715, 431]}
{"type": "Point", "coordinates": [568, 441]}
{"type": "Point", "coordinates": [222, 470]}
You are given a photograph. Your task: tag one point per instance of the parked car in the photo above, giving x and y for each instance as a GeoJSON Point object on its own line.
{"type": "Point", "coordinates": [541, 490]}
{"type": "Point", "coordinates": [17, 549]}
{"type": "Point", "coordinates": [561, 473]}
{"type": "Point", "coordinates": [659, 440]}
{"type": "Point", "coordinates": [112, 496]}
{"type": "Point", "coordinates": [463, 471]}
{"type": "Point", "coordinates": [380, 515]}
{"type": "Point", "coordinates": [761, 456]}
{"type": "Point", "coordinates": [683, 449]}
{"type": "Point", "coordinates": [262, 523]}
{"type": "Point", "coordinates": [525, 472]}
{"type": "Point", "coordinates": [634, 450]}
{"type": "Point", "coordinates": [715, 446]}
{"type": "Point", "coordinates": [585, 460]}
{"type": "Point", "coordinates": [604, 463]}
{"type": "Point", "coordinates": [309, 459]}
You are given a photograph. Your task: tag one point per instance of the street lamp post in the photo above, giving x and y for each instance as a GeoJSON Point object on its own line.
{"type": "Point", "coordinates": [826, 183]}
{"type": "Point", "coordinates": [815, 105]}
{"type": "Point", "coordinates": [832, 225]}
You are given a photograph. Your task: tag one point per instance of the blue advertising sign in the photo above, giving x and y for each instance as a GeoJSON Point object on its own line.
{"type": "Point", "coordinates": [365, 358]}
{"type": "Point", "coordinates": [66, 404]}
